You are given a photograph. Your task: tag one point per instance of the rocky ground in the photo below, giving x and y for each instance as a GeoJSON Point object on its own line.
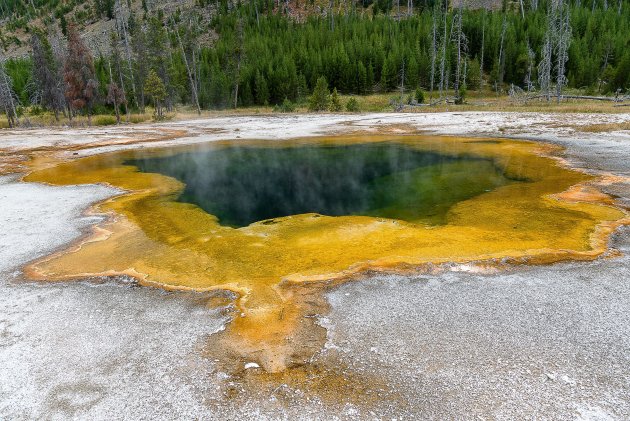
{"type": "Point", "coordinates": [547, 342]}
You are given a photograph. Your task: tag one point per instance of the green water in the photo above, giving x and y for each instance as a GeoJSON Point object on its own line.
{"type": "Point", "coordinates": [244, 184]}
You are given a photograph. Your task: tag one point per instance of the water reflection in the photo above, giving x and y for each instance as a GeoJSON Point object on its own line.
{"type": "Point", "coordinates": [244, 184]}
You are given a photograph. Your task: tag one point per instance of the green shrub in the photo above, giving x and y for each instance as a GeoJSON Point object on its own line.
{"type": "Point", "coordinates": [419, 96]}
{"type": "Point", "coordinates": [139, 118]}
{"type": "Point", "coordinates": [103, 120]}
{"type": "Point", "coordinates": [352, 105]}
{"type": "Point", "coordinates": [36, 110]}
{"type": "Point", "coordinates": [286, 107]}
{"type": "Point", "coordinates": [102, 109]}
{"type": "Point", "coordinates": [461, 97]}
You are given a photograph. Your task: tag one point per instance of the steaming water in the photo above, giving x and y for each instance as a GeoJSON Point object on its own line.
{"type": "Point", "coordinates": [243, 184]}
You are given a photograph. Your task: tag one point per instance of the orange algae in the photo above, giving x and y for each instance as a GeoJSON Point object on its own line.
{"type": "Point", "coordinates": [179, 246]}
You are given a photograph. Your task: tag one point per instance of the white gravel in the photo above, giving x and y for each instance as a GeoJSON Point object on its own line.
{"type": "Point", "coordinates": [529, 125]}
{"type": "Point", "coordinates": [90, 350]}
{"type": "Point", "coordinates": [37, 219]}
{"type": "Point", "coordinates": [539, 343]}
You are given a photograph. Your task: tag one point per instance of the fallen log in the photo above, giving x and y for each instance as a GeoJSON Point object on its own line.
{"type": "Point", "coordinates": [587, 97]}
{"type": "Point", "coordinates": [594, 98]}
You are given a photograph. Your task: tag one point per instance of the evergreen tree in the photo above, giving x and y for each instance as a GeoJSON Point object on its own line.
{"type": "Point", "coordinates": [352, 105]}
{"type": "Point", "coordinates": [320, 100]}
{"type": "Point", "coordinates": [335, 102]}
{"type": "Point", "coordinates": [356, 53]}
{"type": "Point", "coordinates": [154, 89]}
{"type": "Point", "coordinates": [260, 89]}
{"type": "Point", "coordinates": [389, 75]}
{"type": "Point", "coordinates": [362, 82]}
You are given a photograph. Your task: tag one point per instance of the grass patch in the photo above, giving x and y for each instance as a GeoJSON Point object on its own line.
{"type": "Point", "coordinates": [103, 120]}
{"type": "Point", "coordinates": [139, 118]}
{"type": "Point", "coordinates": [485, 100]}
{"type": "Point", "coordinates": [604, 127]}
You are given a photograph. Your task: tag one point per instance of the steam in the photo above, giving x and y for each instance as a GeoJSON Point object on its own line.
{"type": "Point", "coordinates": [243, 184]}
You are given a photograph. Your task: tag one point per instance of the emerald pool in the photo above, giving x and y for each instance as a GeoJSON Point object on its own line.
{"type": "Point", "coordinates": [243, 184]}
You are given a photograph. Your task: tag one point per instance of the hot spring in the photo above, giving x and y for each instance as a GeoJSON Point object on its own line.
{"type": "Point", "coordinates": [269, 220]}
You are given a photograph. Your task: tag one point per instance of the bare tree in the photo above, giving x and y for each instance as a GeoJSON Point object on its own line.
{"type": "Point", "coordinates": [402, 80]}
{"type": "Point", "coordinates": [140, 69]}
{"type": "Point", "coordinates": [531, 57]}
{"type": "Point", "coordinates": [461, 42]}
{"type": "Point", "coordinates": [46, 79]}
{"type": "Point", "coordinates": [562, 35]}
{"type": "Point", "coordinates": [499, 81]}
{"type": "Point", "coordinates": [115, 95]}
{"type": "Point", "coordinates": [238, 58]}
{"type": "Point", "coordinates": [607, 57]}
{"type": "Point", "coordinates": [57, 43]}
{"type": "Point", "coordinates": [483, 44]}
{"type": "Point", "coordinates": [443, 75]}
{"type": "Point", "coordinates": [433, 48]}
{"type": "Point", "coordinates": [544, 67]}
{"type": "Point", "coordinates": [117, 61]}
{"type": "Point", "coordinates": [190, 71]}
{"type": "Point", "coordinates": [331, 14]}
{"type": "Point", "coordinates": [555, 46]}
{"type": "Point", "coordinates": [121, 15]}
{"type": "Point", "coordinates": [8, 100]}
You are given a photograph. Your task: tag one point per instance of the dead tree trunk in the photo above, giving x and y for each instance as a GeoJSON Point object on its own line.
{"type": "Point", "coordinates": [460, 40]}
{"type": "Point", "coordinates": [544, 67]}
{"type": "Point", "coordinates": [193, 84]}
{"type": "Point", "coordinates": [122, 26]}
{"type": "Point", "coordinates": [531, 56]}
{"type": "Point", "coordinates": [483, 43]}
{"type": "Point", "coordinates": [115, 100]}
{"type": "Point", "coordinates": [7, 99]}
{"type": "Point", "coordinates": [443, 59]}
{"type": "Point", "coordinates": [562, 38]}
{"type": "Point", "coordinates": [501, 55]}
{"type": "Point", "coordinates": [239, 58]}
{"type": "Point", "coordinates": [402, 80]}
{"type": "Point", "coordinates": [433, 50]}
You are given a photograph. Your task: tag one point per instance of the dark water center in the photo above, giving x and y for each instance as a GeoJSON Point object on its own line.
{"type": "Point", "coordinates": [244, 184]}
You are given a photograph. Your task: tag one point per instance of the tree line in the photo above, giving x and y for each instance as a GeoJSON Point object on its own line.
{"type": "Point", "coordinates": [255, 53]}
